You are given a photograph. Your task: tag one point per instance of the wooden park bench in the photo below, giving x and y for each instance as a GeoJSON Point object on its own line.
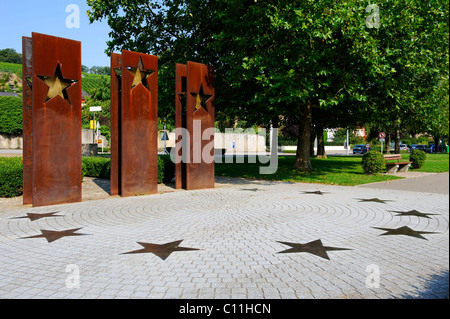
{"type": "Point", "coordinates": [394, 167]}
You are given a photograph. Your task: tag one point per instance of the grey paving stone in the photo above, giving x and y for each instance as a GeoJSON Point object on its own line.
{"type": "Point", "coordinates": [239, 239]}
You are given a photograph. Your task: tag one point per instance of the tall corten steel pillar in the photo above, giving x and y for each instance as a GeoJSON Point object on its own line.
{"type": "Point", "coordinates": [134, 126]}
{"type": "Point", "coordinates": [51, 120]}
{"type": "Point", "coordinates": [194, 104]}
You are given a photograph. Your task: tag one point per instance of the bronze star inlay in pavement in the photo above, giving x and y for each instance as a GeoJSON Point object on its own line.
{"type": "Point", "coordinates": [405, 230]}
{"type": "Point", "coordinates": [315, 247]}
{"type": "Point", "coordinates": [33, 216]}
{"type": "Point", "coordinates": [162, 251]}
{"type": "Point", "coordinates": [315, 193]}
{"type": "Point", "coordinates": [52, 235]}
{"type": "Point", "coordinates": [413, 213]}
{"type": "Point", "coordinates": [250, 189]}
{"type": "Point", "coordinates": [375, 200]}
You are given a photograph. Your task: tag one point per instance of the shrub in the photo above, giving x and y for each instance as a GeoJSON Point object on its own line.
{"type": "Point", "coordinates": [96, 167]}
{"type": "Point", "coordinates": [11, 177]}
{"type": "Point", "coordinates": [167, 169]}
{"type": "Point", "coordinates": [11, 115]}
{"type": "Point", "coordinates": [417, 157]}
{"type": "Point", "coordinates": [101, 167]}
{"type": "Point", "coordinates": [373, 162]}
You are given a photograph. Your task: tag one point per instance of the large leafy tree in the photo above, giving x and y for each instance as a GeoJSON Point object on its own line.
{"type": "Point", "coordinates": [282, 59]}
{"type": "Point", "coordinates": [10, 56]}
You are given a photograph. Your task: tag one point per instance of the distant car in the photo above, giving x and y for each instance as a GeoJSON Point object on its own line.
{"type": "Point", "coordinates": [422, 147]}
{"type": "Point", "coordinates": [360, 149]}
{"type": "Point", "coordinates": [404, 147]}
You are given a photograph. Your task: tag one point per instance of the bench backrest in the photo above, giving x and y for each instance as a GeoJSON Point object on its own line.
{"type": "Point", "coordinates": [393, 157]}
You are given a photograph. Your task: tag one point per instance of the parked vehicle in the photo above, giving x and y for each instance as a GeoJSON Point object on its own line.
{"type": "Point", "coordinates": [404, 147]}
{"type": "Point", "coordinates": [412, 147]}
{"type": "Point", "coordinates": [360, 149]}
{"type": "Point", "coordinates": [422, 147]}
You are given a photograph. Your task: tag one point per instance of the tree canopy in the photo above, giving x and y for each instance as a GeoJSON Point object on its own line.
{"type": "Point", "coordinates": [10, 56]}
{"type": "Point", "coordinates": [283, 59]}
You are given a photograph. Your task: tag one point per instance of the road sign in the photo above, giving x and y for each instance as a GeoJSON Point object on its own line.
{"type": "Point", "coordinates": [382, 140]}
{"type": "Point", "coordinates": [367, 145]}
{"type": "Point", "coordinates": [382, 135]}
{"type": "Point", "coordinates": [95, 109]}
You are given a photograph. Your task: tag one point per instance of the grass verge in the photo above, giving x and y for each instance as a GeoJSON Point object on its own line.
{"type": "Point", "coordinates": [335, 170]}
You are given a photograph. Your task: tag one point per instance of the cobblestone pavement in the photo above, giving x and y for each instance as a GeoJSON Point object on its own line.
{"type": "Point", "coordinates": [252, 239]}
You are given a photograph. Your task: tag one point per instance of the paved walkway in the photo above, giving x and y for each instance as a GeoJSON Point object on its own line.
{"type": "Point", "coordinates": [243, 239]}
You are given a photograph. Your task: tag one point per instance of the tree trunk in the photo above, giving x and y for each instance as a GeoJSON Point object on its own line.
{"type": "Point", "coordinates": [397, 141]}
{"type": "Point", "coordinates": [312, 139]}
{"type": "Point", "coordinates": [388, 143]}
{"type": "Point", "coordinates": [320, 141]}
{"type": "Point", "coordinates": [303, 160]}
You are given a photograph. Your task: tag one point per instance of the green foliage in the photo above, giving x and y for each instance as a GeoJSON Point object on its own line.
{"type": "Point", "coordinates": [272, 57]}
{"type": "Point", "coordinates": [11, 115]}
{"type": "Point", "coordinates": [417, 157]}
{"type": "Point", "coordinates": [373, 162]}
{"type": "Point", "coordinates": [10, 56]}
{"type": "Point", "coordinates": [11, 177]}
{"type": "Point", "coordinates": [166, 169]}
{"type": "Point", "coordinates": [96, 167]}
{"type": "Point", "coordinates": [91, 82]}
{"type": "Point", "coordinates": [101, 167]}
{"type": "Point", "coordinates": [6, 67]}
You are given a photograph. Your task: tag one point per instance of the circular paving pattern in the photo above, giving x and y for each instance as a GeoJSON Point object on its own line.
{"type": "Point", "coordinates": [273, 240]}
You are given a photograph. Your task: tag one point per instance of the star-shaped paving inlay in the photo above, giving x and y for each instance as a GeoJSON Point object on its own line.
{"type": "Point", "coordinates": [201, 99]}
{"type": "Point", "coordinates": [52, 235]}
{"type": "Point", "coordinates": [405, 230]}
{"type": "Point", "coordinates": [315, 247]}
{"type": "Point", "coordinates": [250, 189]}
{"type": "Point", "coordinates": [162, 251]}
{"type": "Point", "coordinates": [375, 200]}
{"type": "Point", "coordinates": [315, 193]}
{"type": "Point", "coordinates": [57, 85]}
{"type": "Point", "coordinates": [413, 213]}
{"type": "Point", "coordinates": [33, 216]}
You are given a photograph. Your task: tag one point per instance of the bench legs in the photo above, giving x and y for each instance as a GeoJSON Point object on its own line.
{"type": "Point", "coordinates": [404, 167]}
{"type": "Point", "coordinates": [391, 168]}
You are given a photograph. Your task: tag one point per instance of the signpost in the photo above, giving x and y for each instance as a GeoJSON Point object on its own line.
{"type": "Point", "coordinates": [382, 137]}
{"type": "Point", "coordinates": [94, 109]}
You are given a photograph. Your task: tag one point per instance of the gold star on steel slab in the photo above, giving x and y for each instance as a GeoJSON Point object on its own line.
{"type": "Point", "coordinates": [315, 247]}
{"type": "Point", "coordinates": [56, 84]}
{"type": "Point", "coordinates": [201, 99]}
{"type": "Point", "coordinates": [52, 235]}
{"type": "Point", "coordinates": [405, 230]}
{"type": "Point", "coordinates": [140, 75]}
{"type": "Point", "coordinates": [162, 251]}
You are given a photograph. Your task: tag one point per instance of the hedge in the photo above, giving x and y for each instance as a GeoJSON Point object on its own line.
{"type": "Point", "coordinates": [101, 167]}
{"type": "Point", "coordinates": [11, 177]}
{"type": "Point", "coordinates": [11, 115]}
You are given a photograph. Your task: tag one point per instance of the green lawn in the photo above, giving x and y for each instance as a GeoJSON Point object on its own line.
{"type": "Point", "coordinates": [435, 163]}
{"type": "Point", "coordinates": [336, 170]}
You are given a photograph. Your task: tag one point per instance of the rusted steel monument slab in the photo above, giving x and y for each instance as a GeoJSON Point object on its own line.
{"type": "Point", "coordinates": [134, 127]}
{"type": "Point", "coordinates": [194, 104]}
{"type": "Point", "coordinates": [51, 120]}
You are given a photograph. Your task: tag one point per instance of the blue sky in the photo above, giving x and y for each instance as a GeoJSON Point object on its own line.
{"type": "Point", "coordinates": [22, 17]}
